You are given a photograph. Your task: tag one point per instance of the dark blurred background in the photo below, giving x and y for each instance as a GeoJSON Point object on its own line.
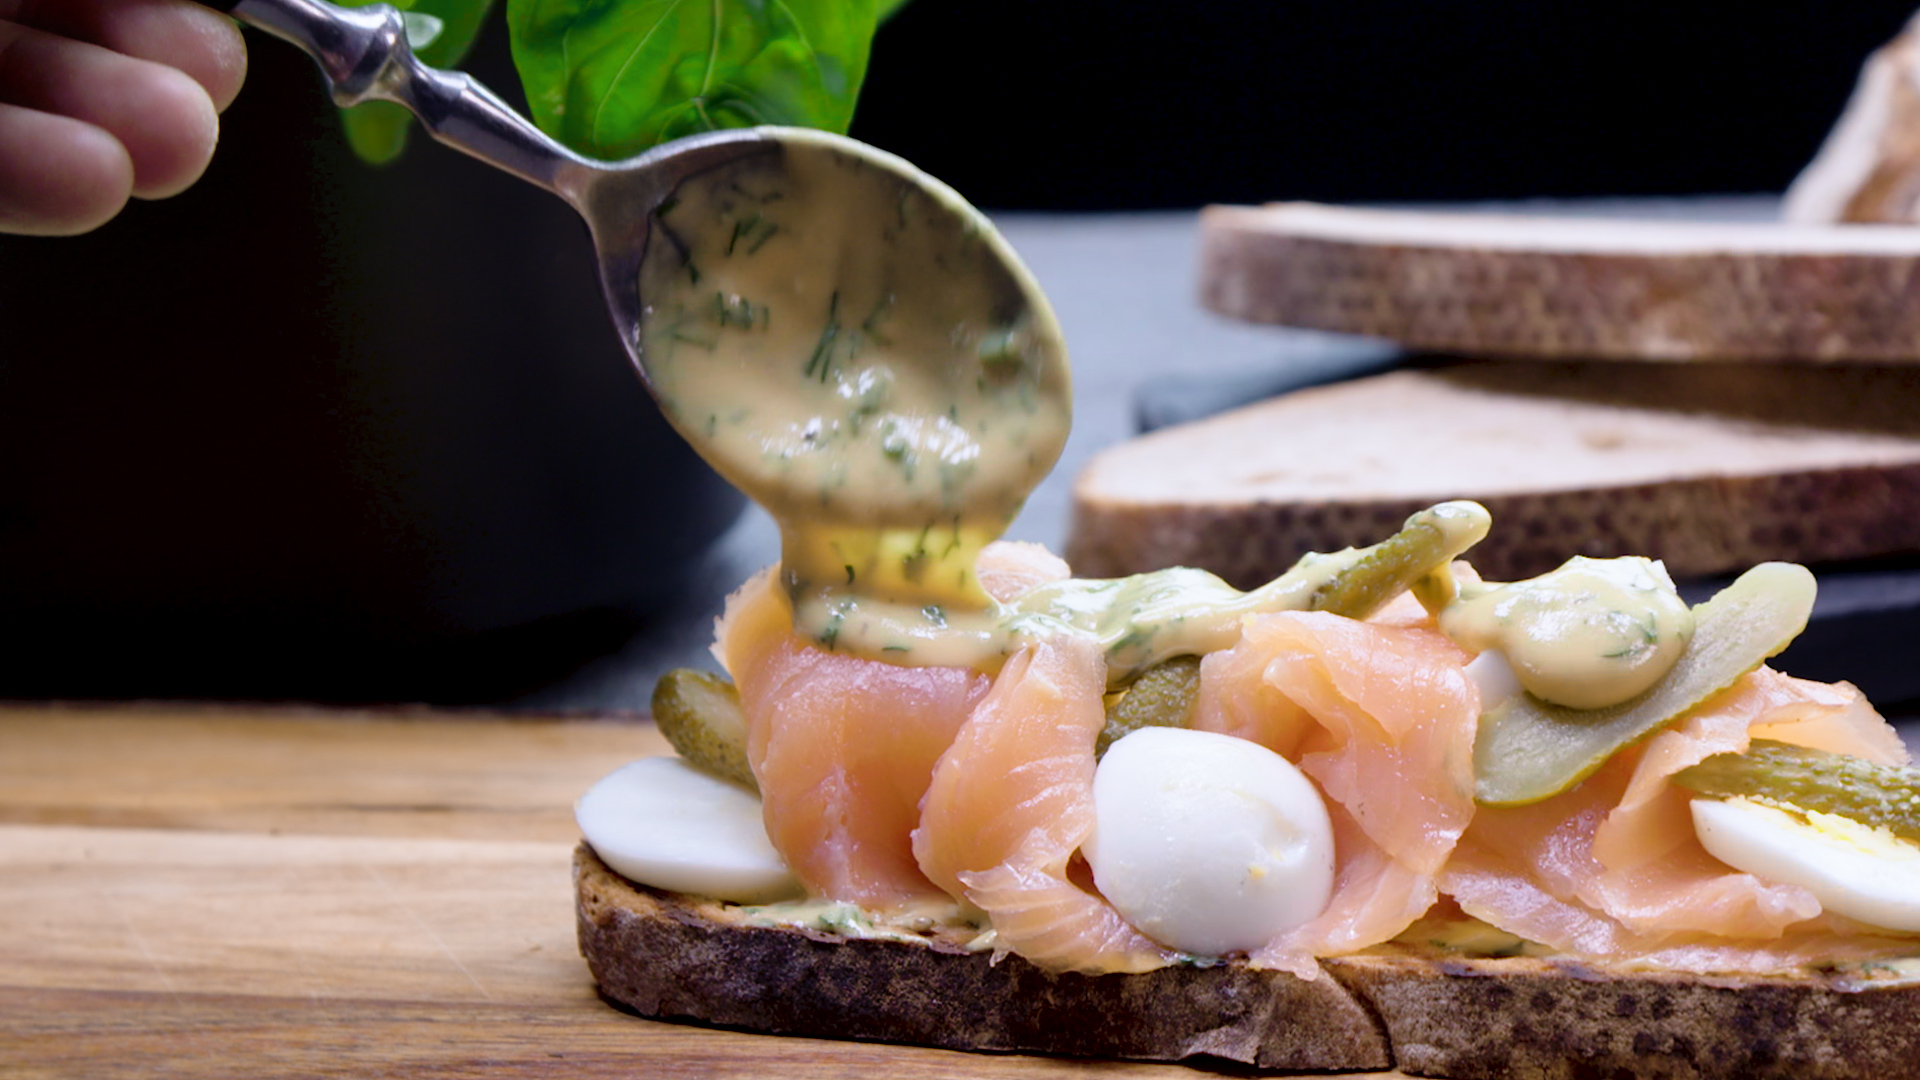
{"type": "Point", "coordinates": [316, 430]}
{"type": "Point", "coordinates": [1072, 105]}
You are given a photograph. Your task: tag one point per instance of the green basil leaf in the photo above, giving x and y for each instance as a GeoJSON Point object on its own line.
{"type": "Point", "coordinates": [377, 130]}
{"type": "Point", "coordinates": [610, 78]}
{"type": "Point", "coordinates": [884, 9]}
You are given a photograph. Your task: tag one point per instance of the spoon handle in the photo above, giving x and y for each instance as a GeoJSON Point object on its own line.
{"type": "Point", "coordinates": [363, 53]}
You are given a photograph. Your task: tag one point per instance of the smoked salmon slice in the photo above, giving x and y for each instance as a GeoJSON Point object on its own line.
{"type": "Point", "coordinates": [1613, 869]}
{"type": "Point", "coordinates": [1007, 568]}
{"type": "Point", "coordinates": [1382, 718]}
{"type": "Point", "coordinates": [1012, 801]}
{"type": "Point", "coordinates": [843, 748]}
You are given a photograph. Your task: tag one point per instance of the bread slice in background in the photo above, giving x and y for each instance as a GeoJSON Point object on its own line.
{"type": "Point", "coordinates": [1565, 287]}
{"type": "Point", "coordinates": [1711, 467]}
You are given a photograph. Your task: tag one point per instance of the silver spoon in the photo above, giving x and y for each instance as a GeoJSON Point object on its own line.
{"type": "Point", "coordinates": [364, 55]}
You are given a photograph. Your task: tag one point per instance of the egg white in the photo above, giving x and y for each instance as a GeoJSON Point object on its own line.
{"type": "Point", "coordinates": [1494, 677]}
{"type": "Point", "coordinates": [662, 822]}
{"type": "Point", "coordinates": [1863, 873]}
{"type": "Point", "coordinates": [1206, 843]}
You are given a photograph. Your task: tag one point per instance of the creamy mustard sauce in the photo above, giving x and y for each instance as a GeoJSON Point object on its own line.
{"type": "Point", "coordinates": [1593, 633]}
{"type": "Point", "coordinates": [915, 923]}
{"type": "Point", "coordinates": [1144, 619]}
{"type": "Point", "coordinates": [856, 349]}
{"type": "Point", "coordinates": [1468, 936]}
{"type": "Point", "coordinates": [1902, 971]}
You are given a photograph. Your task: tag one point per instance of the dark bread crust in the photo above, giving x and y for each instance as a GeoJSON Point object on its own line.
{"type": "Point", "coordinates": [1471, 1019]}
{"type": "Point", "coordinates": [671, 956]}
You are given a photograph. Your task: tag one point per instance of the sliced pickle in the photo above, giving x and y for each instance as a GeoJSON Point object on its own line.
{"type": "Point", "coordinates": [1528, 750]}
{"type": "Point", "coordinates": [1801, 778]}
{"type": "Point", "coordinates": [1427, 544]}
{"type": "Point", "coordinates": [700, 715]}
{"type": "Point", "coordinates": [1163, 696]}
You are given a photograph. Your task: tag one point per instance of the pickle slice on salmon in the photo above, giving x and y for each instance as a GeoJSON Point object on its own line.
{"type": "Point", "coordinates": [1801, 778]}
{"type": "Point", "coordinates": [1163, 696]}
{"type": "Point", "coordinates": [1528, 750]}
{"type": "Point", "coordinates": [1424, 547]}
{"type": "Point", "coordinates": [700, 715]}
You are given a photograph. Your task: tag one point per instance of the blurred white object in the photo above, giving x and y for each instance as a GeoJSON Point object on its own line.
{"type": "Point", "coordinates": [1868, 170]}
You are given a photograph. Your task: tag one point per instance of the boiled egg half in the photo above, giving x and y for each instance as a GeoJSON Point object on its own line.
{"type": "Point", "coordinates": [1853, 869]}
{"type": "Point", "coordinates": [662, 822]}
{"type": "Point", "coordinates": [1207, 843]}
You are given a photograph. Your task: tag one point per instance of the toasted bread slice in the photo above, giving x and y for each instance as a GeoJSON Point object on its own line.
{"type": "Point", "coordinates": [677, 957]}
{"type": "Point", "coordinates": [1711, 467]}
{"type": "Point", "coordinates": [1431, 1012]}
{"type": "Point", "coordinates": [1505, 285]}
{"type": "Point", "coordinates": [1475, 1018]}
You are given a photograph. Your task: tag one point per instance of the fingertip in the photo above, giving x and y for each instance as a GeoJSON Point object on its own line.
{"type": "Point", "coordinates": [161, 115]}
{"type": "Point", "coordinates": [220, 66]}
{"type": "Point", "coordinates": [177, 106]}
{"type": "Point", "coordinates": [59, 176]}
{"type": "Point", "coordinates": [204, 43]}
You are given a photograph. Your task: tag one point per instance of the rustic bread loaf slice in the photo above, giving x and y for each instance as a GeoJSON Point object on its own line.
{"type": "Point", "coordinates": [1431, 1011]}
{"type": "Point", "coordinates": [1711, 467]}
{"type": "Point", "coordinates": [672, 956]}
{"type": "Point", "coordinates": [1499, 285]}
{"type": "Point", "coordinates": [1495, 1018]}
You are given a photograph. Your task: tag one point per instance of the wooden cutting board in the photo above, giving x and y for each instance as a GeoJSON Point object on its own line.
{"type": "Point", "coordinates": [254, 893]}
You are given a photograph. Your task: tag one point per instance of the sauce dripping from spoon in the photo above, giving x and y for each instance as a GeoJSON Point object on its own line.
{"type": "Point", "coordinates": [858, 350]}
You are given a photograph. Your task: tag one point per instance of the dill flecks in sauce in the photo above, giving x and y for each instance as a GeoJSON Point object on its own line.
{"type": "Point", "coordinates": [857, 349]}
{"type": "Point", "coordinates": [1591, 634]}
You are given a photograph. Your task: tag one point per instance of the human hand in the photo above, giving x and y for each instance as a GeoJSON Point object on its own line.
{"type": "Point", "coordinates": [102, 100]}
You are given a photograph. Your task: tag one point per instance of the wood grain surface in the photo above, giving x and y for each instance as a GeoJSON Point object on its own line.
{"type": "Point", "coordinates": [256, 893]}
